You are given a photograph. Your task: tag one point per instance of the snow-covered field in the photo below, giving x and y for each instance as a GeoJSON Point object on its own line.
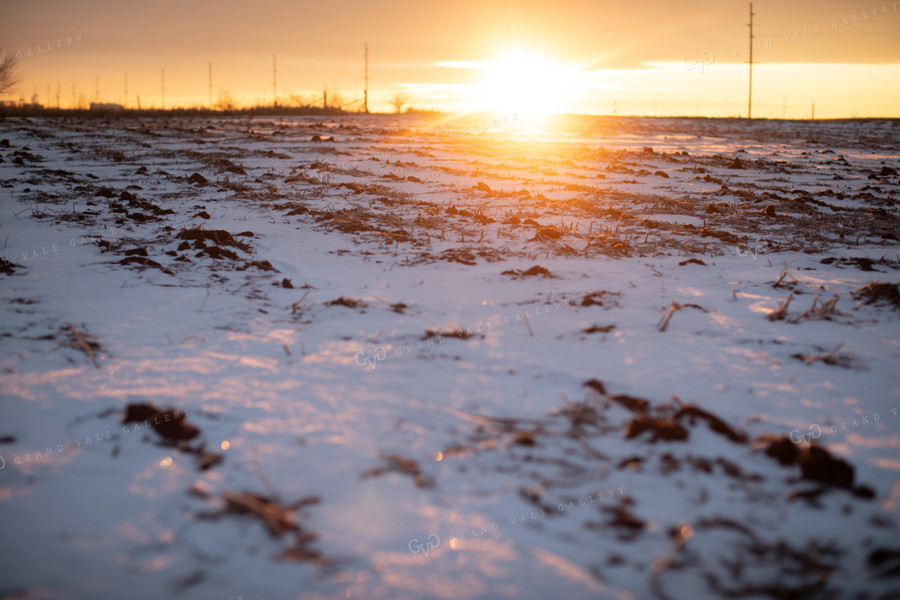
{"type": "Point", "coordinates": [399, 357]}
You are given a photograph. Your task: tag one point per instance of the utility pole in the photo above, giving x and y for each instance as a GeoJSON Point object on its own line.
{"type": "Point", "coordinates": [366, 90]}
{"type": "Point", "coordinates": [162, 90]}
{"type": "Point", "coordinates": [125, 101]}
{"type": "Point", "coordinates": [274, 82]}
{"type": "Point", "coordinates": [49, 97]}
{"type": "Point", "coordinates": [58, 90]}
{"type": "Point", "coordinates": [750, 87]}
{"type": "Point", "coordinates": [97, 90]}
{"type": "Point", "coordinates": [73, 96]}
{"type": "Point", "coordinates": [210, 85]}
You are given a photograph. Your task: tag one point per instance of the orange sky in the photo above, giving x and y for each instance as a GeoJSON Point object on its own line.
{"type": "Point", "coordinates": [650, 57]}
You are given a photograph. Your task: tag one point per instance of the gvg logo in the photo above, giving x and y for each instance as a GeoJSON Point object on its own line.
{"type": "Point", "coordinates": [745, 250]}
{"type": "Point", "coordinates": [380, 354]}
{"type": "Point", "coordinates": [699, 65]}
{"type": "Point", "coordinates": [815, 432]}
{"type": "Point", "coordinates": [416, 547]}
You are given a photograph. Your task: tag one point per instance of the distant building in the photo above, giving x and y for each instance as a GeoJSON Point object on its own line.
{"type": "Point", "coordinates": [106, 106]}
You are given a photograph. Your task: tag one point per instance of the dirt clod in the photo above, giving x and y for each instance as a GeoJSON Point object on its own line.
{"type": "Point", "coordinates": [169, 424]}
{"type": "Point", "coordinates": [880, 293]}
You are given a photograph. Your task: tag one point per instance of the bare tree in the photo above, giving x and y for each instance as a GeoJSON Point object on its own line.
{"type": "Point", "coordinates": [398, 101]}
{"type": "Point", "coordinates": [8, 76]}
{"type": "Point", "coordinates": [302, 100]}
{"type": "Point", "coordinates": [336, 100]}
{"type": "Point", "coordinates": [226, 102]}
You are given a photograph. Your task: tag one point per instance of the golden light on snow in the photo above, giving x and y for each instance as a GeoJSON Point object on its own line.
{"type": "Point", "coordinates": [225, 445]}
{"type": "Point", "coordinates": [166, 462]}
{"type": "Point", "coordinates": [439, 456]}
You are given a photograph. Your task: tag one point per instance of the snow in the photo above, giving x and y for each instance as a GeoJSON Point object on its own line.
{"type": "Point", "coordinates": [417, 444]}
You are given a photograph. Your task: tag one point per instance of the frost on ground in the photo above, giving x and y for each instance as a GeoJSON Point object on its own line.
{"type": "Point", "coordinates": [407, 358]}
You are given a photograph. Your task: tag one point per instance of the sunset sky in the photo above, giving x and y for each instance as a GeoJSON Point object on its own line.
{"type": "Point", "coordinates": [585, 56]}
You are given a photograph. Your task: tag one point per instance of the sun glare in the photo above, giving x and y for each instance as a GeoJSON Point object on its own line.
{"type": "Point", "coordinates": [527, 85]}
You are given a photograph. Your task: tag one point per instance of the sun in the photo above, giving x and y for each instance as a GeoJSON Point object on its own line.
{"type": "Point", "coordinates": [527, 85]}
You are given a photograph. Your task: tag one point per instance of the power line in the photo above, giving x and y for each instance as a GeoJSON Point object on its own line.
{"type": "Point", "coordinates": [350, 103]}
{"type": "Point", "coordinates": [750, 87]}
